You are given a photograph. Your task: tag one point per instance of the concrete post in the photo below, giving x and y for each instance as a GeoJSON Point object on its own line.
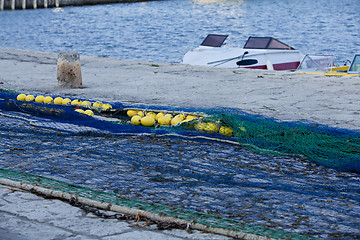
{"type": "Point", "coordinates": [69, 70]}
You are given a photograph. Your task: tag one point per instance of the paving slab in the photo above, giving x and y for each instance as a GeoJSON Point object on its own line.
{"type": "Point", "coordinates": [25, 216]}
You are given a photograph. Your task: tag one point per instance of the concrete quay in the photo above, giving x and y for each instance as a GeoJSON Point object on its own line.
{"type": "Point", "coordinates": [25, 216]}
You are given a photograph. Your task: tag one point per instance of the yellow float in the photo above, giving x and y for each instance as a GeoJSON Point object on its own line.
{"type": "Point", "coordinates": [86, 103]}
{"type": "Point", "coordinates": [75, 102]}
{"type": "Point", "coordinates": [21, 97]}
{"type": "Point", "coordinates": [159, 115]}
{"type": "Point", "coordinates": [66, 101]}
{"type": "Point", "coordinates": [58, 100]}
{"type": "Point", "coordinates": [48, 99]}
{"type": "Point", "coordinates": [40, 99]}
{"type": "Point", "coordinates": [97, 104]}
{"type": "Point", "coordinates": [80, 111]}
{"type": "Point", "coordinates": [176, 120]}
{"type": "Point", "coordinates": [164, 120]}
{"type": "Point", "coordinates": [147, 121]}
{"type": "Point", "coordinates": [151, 114]}
{"type": "Point", "coordinates": [226, 131]}
{"type": "Point", "coordinates": [89, 112]}
{"type": "Point", "coordinates": [29, 98]}
{"type": "Point", "coordinates": [136, 120]}
{"type": "Point", "coordinates": [131, 113]}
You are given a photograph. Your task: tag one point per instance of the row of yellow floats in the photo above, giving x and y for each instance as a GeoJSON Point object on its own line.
{"type": "Point", "coordinates": [150, 119]}
{"type": "Point", "coordinates": [65, 101]}
{"type": "Point", "coordinates": [138, 117]}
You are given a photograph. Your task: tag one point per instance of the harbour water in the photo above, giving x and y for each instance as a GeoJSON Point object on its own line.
{"type": "Point", "coordinates": [164, 31]}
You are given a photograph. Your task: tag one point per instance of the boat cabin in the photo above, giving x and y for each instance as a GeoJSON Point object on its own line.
{"type": "Point", "coordinates": [266, 43]}
{"type": "Point", "coordinates": [216, 40]}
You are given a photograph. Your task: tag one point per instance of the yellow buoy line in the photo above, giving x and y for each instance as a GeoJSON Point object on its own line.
{"type": "Point", "coordinates": [137, 116]}
{"type": "Point", "coordinates": [65, 101]}
{"type": "Point", "coordinates": [198, 121]}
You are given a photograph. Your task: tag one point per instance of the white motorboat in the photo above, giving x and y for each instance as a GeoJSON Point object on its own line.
{"type": "Point", "coordinates": [257, 53]}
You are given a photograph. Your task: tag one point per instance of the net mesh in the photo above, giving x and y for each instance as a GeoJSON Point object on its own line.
{"type": "Point", "coordinates": [162, 210]}
{"type": "Point", "coordinates": [327, 146]}
{"type": "Point", "coordinates": [331, 147]}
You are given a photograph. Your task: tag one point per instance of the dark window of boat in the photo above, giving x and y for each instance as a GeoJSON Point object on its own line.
{"type": "Point", "coordinates": [265, 43]}
{"type": "Point", "coordinates": [214, 40]}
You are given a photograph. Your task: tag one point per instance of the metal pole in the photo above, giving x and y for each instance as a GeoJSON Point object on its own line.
{"type": "Point", "coordinates": [35, 4]}
{"type": "Point", "coordinates": [45, 3]}
{"type": "Point", "coordinates": [1, 5]}
{"type": "Point", "coordinates": [23, 4]}
{"type": "Point", "coordinates": [57, 3]}
{"type": "Point", "coordinates": [12, 4]}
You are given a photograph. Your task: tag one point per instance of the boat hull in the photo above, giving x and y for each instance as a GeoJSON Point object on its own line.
{"type": "Point", "coordinates": [229, 58]}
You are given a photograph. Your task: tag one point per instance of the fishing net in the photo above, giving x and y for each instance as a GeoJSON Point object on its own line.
{"type": "Point", "coordinates": [192, 217]}
{"type": "Point", "coordinates": [224, 166]}
{"type": "Point", "coordinates": [331, 147]}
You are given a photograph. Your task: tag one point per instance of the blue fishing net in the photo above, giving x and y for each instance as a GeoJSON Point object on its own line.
{"type": "Point", "coordinates": [253, 183]}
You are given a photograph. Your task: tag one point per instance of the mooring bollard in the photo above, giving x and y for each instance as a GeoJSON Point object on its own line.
{"type": "Point", "coordinates": [69, 70]}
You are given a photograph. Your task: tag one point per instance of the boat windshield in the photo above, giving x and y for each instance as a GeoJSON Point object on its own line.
{"type": "Point", "coordinates": [214, 40]}
{"type": "Point", "coordinates": [355, 65]}
{"type": "Point", "coordinates": [266, 43]}
{"type": "Point", "coordinates": [320, 64]}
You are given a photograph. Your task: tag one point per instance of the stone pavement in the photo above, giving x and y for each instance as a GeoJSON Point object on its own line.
{"type": "Point", "coordinates": [25, 216]}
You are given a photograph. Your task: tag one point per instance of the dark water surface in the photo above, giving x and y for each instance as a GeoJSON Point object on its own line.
{"type": "Point", "coordinates": [165, 30]}
{"type": "Point", "coordinates": [284, 193]}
